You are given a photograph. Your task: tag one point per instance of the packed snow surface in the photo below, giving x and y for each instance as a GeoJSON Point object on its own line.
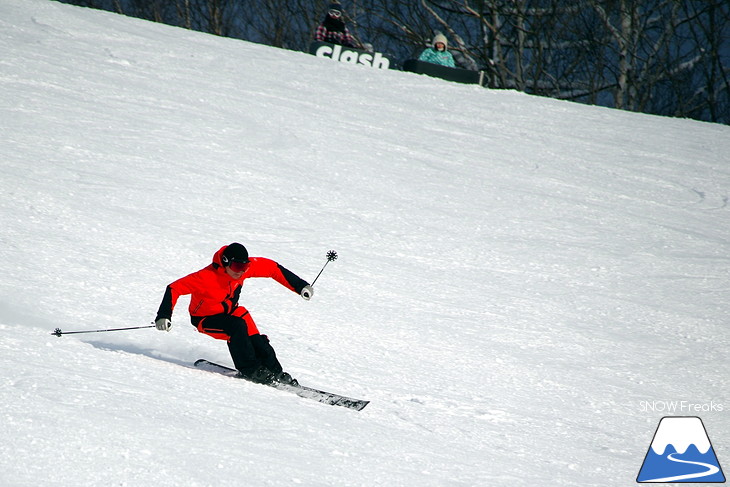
{"type": "Point", "coordinates": [523, 285]}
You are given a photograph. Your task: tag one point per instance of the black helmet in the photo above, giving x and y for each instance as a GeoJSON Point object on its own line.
{"type": "Point", "coordinates": [235, 252]}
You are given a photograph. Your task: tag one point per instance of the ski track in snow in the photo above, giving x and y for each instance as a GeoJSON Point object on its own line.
{"type": "Point", "coordinates": [516, 274]}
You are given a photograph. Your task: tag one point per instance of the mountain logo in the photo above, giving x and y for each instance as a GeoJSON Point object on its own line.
{"type": "Point", "coordinates": [681, 452]}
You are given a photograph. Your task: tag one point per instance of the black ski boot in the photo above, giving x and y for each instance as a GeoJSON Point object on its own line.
{"type": "Point", "coordinates": [261, 375]}
{"type": "Point", "coordinates": [286, 379]}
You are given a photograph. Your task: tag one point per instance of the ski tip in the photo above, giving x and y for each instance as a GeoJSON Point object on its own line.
{"type": "Point", "coordinates": [362, 405]}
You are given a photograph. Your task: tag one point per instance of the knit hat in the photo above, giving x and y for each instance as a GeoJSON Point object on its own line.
{"type": "Point", "coordinates": [335, 6]}
{"type": "Point", "coordinates": [440, 38]}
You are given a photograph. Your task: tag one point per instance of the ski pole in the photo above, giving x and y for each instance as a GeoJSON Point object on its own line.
{"type": "Point", "coordinates": [331, 255]}
{"type": "Point", "coordinates": [58, 331]}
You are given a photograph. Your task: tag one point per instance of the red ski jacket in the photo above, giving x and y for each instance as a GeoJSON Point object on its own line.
{"type": "Point", "coordinates": [214, 292]}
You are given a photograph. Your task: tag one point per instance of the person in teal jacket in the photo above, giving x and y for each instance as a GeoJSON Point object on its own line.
{"type": "Point", "coordinates": [438, 54]}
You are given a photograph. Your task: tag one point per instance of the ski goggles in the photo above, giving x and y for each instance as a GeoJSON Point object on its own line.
{"type": "Point", "coordinates": [238, 266]}
{"type": "Point", "coordinates": [335, 13]}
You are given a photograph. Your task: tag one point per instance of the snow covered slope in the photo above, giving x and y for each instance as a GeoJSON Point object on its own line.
{"type": "Point", "coordinates": [517, 275]}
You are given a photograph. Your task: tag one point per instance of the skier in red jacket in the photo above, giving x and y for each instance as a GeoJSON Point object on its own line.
{"type": "Point", "coordinates": [214, 309]}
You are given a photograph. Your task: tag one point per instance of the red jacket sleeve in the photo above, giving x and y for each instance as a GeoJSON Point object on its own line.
{"type": "Point", "coordinates": [262, 267]}
{"type": "Point", "coordinates": [183, 286]}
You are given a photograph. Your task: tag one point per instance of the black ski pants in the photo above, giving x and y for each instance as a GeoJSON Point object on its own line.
{"type": "Point", "coordinates": [248, 352]}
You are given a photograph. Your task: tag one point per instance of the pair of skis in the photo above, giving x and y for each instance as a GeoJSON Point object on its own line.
{"type": "Point", "coordinates": [302, 391]}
